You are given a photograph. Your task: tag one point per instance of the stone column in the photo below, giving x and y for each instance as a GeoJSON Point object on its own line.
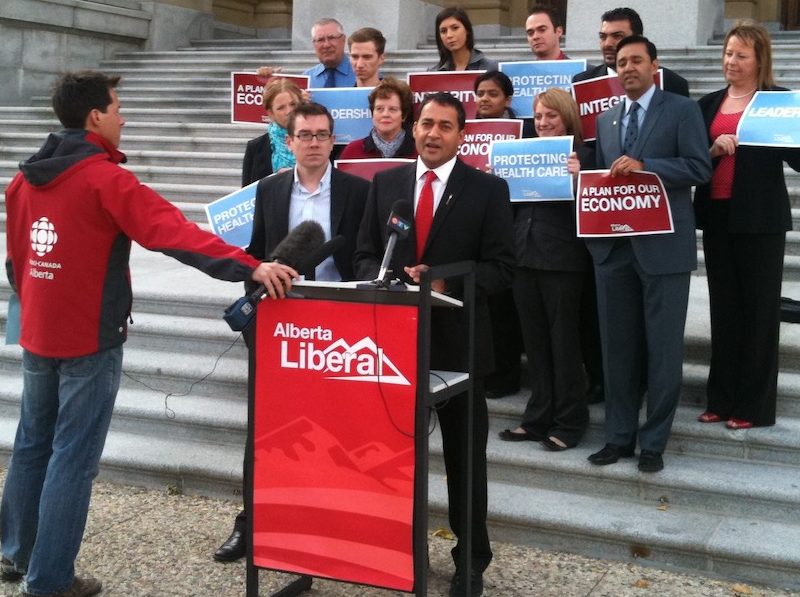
{"type": "Point", "coordinates": [691, 22]}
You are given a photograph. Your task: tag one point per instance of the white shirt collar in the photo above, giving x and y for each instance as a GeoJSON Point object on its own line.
{"type": "Point", "coordinates": [442, 172]}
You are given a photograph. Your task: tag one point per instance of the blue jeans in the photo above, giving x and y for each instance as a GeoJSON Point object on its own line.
{"type": "Point", "coordinates": [65, 414]}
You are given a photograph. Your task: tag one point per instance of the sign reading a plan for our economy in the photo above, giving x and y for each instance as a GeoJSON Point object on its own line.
{"type": "Point", "coordinates": [460, 84]}
{"type": "Point", "coordinates": [231, 217]}
{"type": "Point", "coordinates": [535, 169]}
{"type": "Point", "coordinates": [595, 96]}
{"type": "Point", "coordinates": [247, 95]}
{"type": "Point", "coordinates": [349, 107]}
{"type": "Point", "coordinates": [479, 135]}
{"type": "Point", "coordinates": [368, 168]}
{"type": "Point", "coordinates": [771, 119]}
{"type": "Point", "coordinates": [623, 205]}
{"type": "Point", "coordinates": [532, 77]}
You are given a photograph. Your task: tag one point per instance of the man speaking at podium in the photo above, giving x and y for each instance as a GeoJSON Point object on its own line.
{"type": "Point", "coordinates": [460, 214]}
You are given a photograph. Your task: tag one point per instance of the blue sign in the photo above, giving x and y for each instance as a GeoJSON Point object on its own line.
{"type": "Point", "coordinates": [535, 169]}
{"type": "Point", "coordinates": [231, 217]}
{"type": "Point", "coordinates": [349, 107]}
{"type": "Point", "coordinates": [533, 77]}
{"type": "Point", "coordinates": [771, 119]}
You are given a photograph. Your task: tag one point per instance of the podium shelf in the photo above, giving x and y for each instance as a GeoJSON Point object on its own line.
{"type": "Point", "coordinates": [445, 384]}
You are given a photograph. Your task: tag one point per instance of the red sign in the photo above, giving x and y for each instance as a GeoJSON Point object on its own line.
{"type": "Point", "coordinates": [595, 96]}
{"type": "Point", "coordinates": [335, 389]}
{"type": "Point", "coordinates": [460, 84]}
{"type": "Point", "coordinates": [622, 206]}
{"type": "Point", "coordinates": [247, 95]}
{"type": "Point", "coordinates": [369, 167]}
{"type": "Point", "coordinates": [479, 134]}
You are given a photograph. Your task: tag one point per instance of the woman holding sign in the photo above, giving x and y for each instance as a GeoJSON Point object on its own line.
{"type": "Point", "coordinates": [456, 43]}
{"type": "Point", "coordinates": [390, 137]}
{"type": "Point", "coordinates": [551, 267]}
{"type": "Point", "coordinates": [744, 213]}
{"type": "Point", "coordinates": [269, 153]}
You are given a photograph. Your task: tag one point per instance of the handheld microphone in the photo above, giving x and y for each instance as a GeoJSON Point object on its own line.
{"type": "Point", "coordinates": [309, 264]}
{"type": "Point", "coordinates": [399, 226]}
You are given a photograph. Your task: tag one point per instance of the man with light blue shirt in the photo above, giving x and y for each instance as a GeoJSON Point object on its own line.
{"type": "Point", "coordinates": [313, 190]}
{"type": "Point", "coordinates": [334, 69]}
{"type": "Point", "coordinates": [643, 281]}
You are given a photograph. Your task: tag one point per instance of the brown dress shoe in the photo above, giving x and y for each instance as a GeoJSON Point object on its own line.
{"type": "Point", "coordinates": [81, 587]}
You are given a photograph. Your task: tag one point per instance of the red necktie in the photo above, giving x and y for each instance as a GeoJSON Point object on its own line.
{"type": "Point", "coordinates": [424, 215]}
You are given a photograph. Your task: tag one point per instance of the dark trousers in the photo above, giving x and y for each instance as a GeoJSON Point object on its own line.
{"type": "Point", "coordinates": [453, 421]}
{"type": "Point", "coordinates": [549, 306]}
{"type": "Point", "coordinates": [590, 332]}
{"type": "Point", "coordinates": [744, 284]}
{"type": "Point", "coordinates": [507, 342]}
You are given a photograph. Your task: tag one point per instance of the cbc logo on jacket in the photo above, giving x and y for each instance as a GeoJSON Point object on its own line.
{"type": "Point", "coordinates": [43, 237]}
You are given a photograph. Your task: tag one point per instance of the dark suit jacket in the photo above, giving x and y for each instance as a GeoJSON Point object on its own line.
{"type": "Point", "coordinates": [473, 222]}
{"type": "Point", "coordinates": [271, 216]}
{"type": "Point", "coordinates": [257, 160]}
{"type": "Point", "coordinates": [671, 143]}
{"type": "Point", "coordinates": [673, 82]}
{"type": "Point", "coordinates": [760, 202]}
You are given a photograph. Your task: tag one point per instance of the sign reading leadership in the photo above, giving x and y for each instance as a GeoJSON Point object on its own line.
{"type": "Point", "coordinates": [771, 119]}
{"type": "Point", "coordinates": [247, 95]}
{"type": "Point", "coordinates": [622, 205]}
{"type": "Point", "coordinates": [479, 135]}
{"type": "Point", "coordinates": [532, 77]}
{"type": "Point", "coordinates": [231, 217]}
{"type": "Point", "coordinates": [459, 84]}
{"type": "Point", "coordinates": [349, 107]}
{"type": "Point", "coordinates": [535, 169]}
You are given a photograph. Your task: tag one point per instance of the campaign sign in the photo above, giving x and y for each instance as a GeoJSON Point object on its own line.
{"type": "Point", "coordinates": [349, 107]}
{"type": "Point", "coordinates": [532, 77]}
{"type": "Point", "coordinates": [622, 206]}
{"type": "Point", "coordinates": [771, 119]}
{"type": "Point", "coordinates": [460, 84]}
{"type": "Point", "coordinates": [247, 95]}
{"type": "Point", "coordinates": [479, 135]}
{"type": "Point", "coordinates": [231, 217]}
{"type": "Point", "coordinates": [333, 428]}
{"type": "Point", "coordinates": [535, 169]}
{"type": "Point", "coordinates": [595, 96]}
{"type": "Point", "coordinates": [368, 168]}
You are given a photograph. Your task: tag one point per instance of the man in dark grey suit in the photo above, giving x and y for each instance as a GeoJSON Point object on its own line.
{"type": "Point", "coordinates": [461, 214]}
{"type": "Point", "coordinates": [616, 25]}
{"type": "Point", "coordinates": [313, 190]}
{"type": "Point", "coordinates": [643, 281]}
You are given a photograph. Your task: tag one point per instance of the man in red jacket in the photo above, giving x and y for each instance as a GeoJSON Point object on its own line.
{"type": "Point", "coordinates": [72, 213]}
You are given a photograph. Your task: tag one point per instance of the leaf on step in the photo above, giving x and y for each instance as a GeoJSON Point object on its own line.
{"type": "Point", "coordinates": [663, 507]}
{"type": "Point", "coordinates": [444, 534]}
{"type": "Point", "coordinates": [642, 584]}
{"type": "Point", "coordinates": [740, 589]}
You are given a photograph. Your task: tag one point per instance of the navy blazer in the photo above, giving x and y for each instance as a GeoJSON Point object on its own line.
{"type": "Point", "coordinates": [271, 215]}
{"type": "Point", "coordinates": [760, 203]}
{"type": "Point", "coordinates": [672, 144]}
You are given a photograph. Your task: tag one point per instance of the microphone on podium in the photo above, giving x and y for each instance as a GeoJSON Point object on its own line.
{"type": "Point", "coordinates": [399, 225]}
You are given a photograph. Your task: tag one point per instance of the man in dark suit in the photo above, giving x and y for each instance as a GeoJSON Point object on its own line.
{"type": "Point", "coordinates": [643, 281]}
{"type": "Point", "coordinates": [616, 25]}
{"type": "Point", "coordinates": [460, 214]}
{"type": "Point", "coordinates": [313, 190]}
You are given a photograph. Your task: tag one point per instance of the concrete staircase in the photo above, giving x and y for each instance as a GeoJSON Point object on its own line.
{"type": "Point", "coordinates": [726, 504]}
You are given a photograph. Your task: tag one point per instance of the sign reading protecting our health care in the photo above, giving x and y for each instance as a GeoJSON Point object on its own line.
{"type": "Point", "coordinates": [349, 107]}
{"type": "Point", "coordinates": [460, 84]}
{"type": "Point", "coordinates": [623, 205]}
{"type": "Point", "coordinates": [479, 135]}
{"type": "Point", "coordinates": [532, 77]}
{"type": "Point", "coordinates": [771, 119]}
{"type": "Point", "coordinates": [535, 169]}
{"type": "Point", "coordinates": [369, 167]}
{"type": "Point", "coordinates": [247, 95]}
{"type": "Point", "coordinates": [231, 217]}
{"type": "Point", "coordinates": [595, 96]}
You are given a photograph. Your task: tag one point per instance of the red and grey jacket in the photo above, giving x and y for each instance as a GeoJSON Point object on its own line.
{"type": "Point", "coordinates": [72, 212]}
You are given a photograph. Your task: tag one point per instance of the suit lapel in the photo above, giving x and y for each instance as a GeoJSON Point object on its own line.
{"type": "Point", "coordinates": [650, 119]}
{"type": "Point", "coordinates": [406, 182]}
{"type": "Point", "coordinates": [338, 200]}
{"type": "Point", "coordinates": [283, 197]}
{"type": "Point", "coordinates": [451, 194]}
{"type": "Point", "coordinates": [616, 126]}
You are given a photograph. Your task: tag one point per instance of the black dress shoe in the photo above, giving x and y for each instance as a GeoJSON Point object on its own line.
{"type": "Point", "coordinates": [515, 436]}
{"type": "Point", "coordinates": [497, 393]}
{"type": "Point", "coordinates": [610, 454]}
{"type": "Point", "coordinates": [234, 548]}
{"type": "Point", "coordinates": [457, 588]}
{"type": "Point", "coordinates": [650, 462]}
{"type": "Point", "coordinates": [595, 395]}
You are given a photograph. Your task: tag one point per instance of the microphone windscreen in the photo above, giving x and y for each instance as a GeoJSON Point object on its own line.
{"type": "Point", "coordinates": [304, 239]}
{"type": "Point", "coordinates": [321, 254]}
{"type": "Point", "coordinates": [401, 217]}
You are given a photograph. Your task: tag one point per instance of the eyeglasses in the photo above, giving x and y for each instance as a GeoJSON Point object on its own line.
{"type": "Point", "coordinates": [327, 38]}
{"type": "Point", "coordinates": [305, 136]}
